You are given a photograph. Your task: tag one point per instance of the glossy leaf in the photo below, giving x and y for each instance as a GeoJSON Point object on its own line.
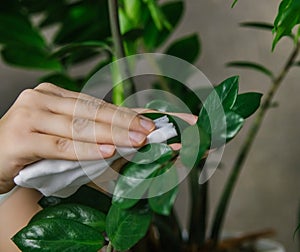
{"type": "Point", "coordinates": [187, 48]}
{"type": "Point", "coordinates": [221, 99]}
{"type": "Point", "coordinates": [76, 212]}
{"type": "Point", "coordinates": [287, 18]}
{"type": "Point", "coordinates": [125, 228]}
{"type": "Point", "coordinates": [29, 57]}
{"type": "Point", "coordinates": [246, 104]}
{"type": "Point", "coordinates": [154, 37]}
{"type": "Point", "coordinates": [135, 179]}
{"type": "Point", "coordinates": [251, 65]}
{"type": "Point", "coordinates": [195, 142]}
{"type": "Point", "coordinates": [165, 197]}
{"type": "Point", "coordinates": [58, 235]}
{"type": "Point", "coordinates": [62, 80]}
{"type": "Point", "coordinates": [234, 123]}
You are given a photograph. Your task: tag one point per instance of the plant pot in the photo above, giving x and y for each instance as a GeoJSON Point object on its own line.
{"type": "Point", "coordinates": [268, 245]}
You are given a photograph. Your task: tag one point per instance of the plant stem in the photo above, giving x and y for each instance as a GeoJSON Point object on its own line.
{"type": "Point", "coordinates": [244, 151]}
{"type": "Point", "coordinates": [128, 87]}
{"type": "Point", "coordinates": [197, 229]}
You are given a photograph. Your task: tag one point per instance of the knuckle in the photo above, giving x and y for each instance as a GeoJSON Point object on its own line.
{"type": "Point", "coordinates": [93, 104]}
{"type": "Point", "coordinates": [27, 95]}
{"type": "Point", "coordinates": [45, 85]}
{"type": "Point", "coordinates": [62, 144]}
{"type": "Point", "coordinates": [79, 124]}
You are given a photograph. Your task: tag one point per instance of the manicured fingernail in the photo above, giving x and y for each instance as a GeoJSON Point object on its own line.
{"type": "Point", "coordinates": [137, 137]}
{"type": "Point", "coordinates": [107, 149]}
{"type": "Point", "coordinates": [147, 124]}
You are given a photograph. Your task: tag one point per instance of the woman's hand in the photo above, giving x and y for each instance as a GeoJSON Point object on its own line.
{"type": "Point", "coordinates": [53, 123]}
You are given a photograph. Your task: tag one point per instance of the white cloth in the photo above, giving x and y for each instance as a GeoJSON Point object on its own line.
{"type": "Point", "coordinates": [62, 178]}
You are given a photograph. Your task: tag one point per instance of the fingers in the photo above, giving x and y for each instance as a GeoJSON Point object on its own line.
{"type": "Point", "coordinates": [55, 147]}
{"type": "Point", "coordinates": [84, 130]}
{"type": "Point", "coordinates": [84, 106]}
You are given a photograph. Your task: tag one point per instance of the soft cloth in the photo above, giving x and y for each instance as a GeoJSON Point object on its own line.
{"type": "Point", "coordinates": [62, 178]}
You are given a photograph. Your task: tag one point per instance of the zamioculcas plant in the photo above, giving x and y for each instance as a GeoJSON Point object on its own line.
{"type": "Point", "coordinates": [106, 30]}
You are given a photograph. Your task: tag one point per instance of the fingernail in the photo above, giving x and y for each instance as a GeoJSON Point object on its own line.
{"type": "Point", "coordinates": [147, 124]}
{"type": "Point", "coordinates": [107, 149]}
{"type": "Point", "coordinates": [137, 137]}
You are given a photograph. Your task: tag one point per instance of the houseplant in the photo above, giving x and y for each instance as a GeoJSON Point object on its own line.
{"type": "Point", "coordinates": [64, 58]}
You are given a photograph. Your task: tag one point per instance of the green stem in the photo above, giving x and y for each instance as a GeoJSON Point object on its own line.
{"type": "Point", "coordinates": [109, 247]}
{"type": "Point", "coordinates": [199, 192]}
{"type": "Point", "coordinates": [128, 87]}
{"type": "Point", "coordinates": [244, 151]}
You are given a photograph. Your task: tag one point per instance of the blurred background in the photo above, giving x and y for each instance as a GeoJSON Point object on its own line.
{"type": "Point", "coordinates": [267, 194]}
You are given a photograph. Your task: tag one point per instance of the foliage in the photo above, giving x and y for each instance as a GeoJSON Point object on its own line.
{"type": "Point", "coordinates": [84, 31]}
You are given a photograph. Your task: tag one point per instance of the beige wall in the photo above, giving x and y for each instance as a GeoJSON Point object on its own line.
{"type": "Point", "coordinates": [268, 190]}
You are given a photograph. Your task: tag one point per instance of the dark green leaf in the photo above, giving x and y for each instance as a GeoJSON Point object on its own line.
{"type": "Point", "coordinates": [85, 195]}
{"type": "Point", "coordinates": [234, 123]}
{"type": "Point", "coordinates": [287, 18]}
{"type": "Point", "coordinates": [16, 29]}
{"type": "Point", "coordinates": [79, 22]}
{"type": "Point", "coordinates": [246, 104]}
{"type": "Point", "coordinates": [135, 179]}
{"type": "Point", "coordinates": [258, 25]}
{"type": "Point", "coordinates": [187, 48]}
{"type": "Point", "coordinates": [56, 235]}
{"type": "Point", "coordinates": [80, 213]}
{"type": "Point", "coordinates": [152, 36]}
{"type": "Point", "coordinates": [251, 65]}
{"type": "Point", "coordinates": [162, 195]}
{"type": "Point", "coordinates": [29, 57]}
{"type": "Point", "coordinates": [195, 142]}
{"type": "Point", "coordinates": [125, 228]}
{"type": "Point", "coordinates": [62, 80]}
{"type": "Point", "coordinates": [74, 47]}
{"type": "Point", "coordinates": [222, 98]}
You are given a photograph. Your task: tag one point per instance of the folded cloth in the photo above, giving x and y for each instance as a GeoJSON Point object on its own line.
{"type": "Point", "coordinates": [62, 178]}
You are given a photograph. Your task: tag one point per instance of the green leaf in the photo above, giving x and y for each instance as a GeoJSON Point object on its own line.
{"type": "Point", "coordinates": [135, 179]}
{"type": "Point", "coordinates": [74, 47]}
{"type": "Point", "coordinates": [154, 37]}
{"type": "Point", "coordinates": [222, 98]}
{"type": "Point", "coordinates": [287, 18]}
{"type": "Point", "coordinates": [50, 235]}
{"type": "Point", "coordinates": [85, 195]}
{"type": "Point", "coordinates": [234, 123]}
{"type": "Point", "coordinates": [195, 142]}
{"type": "Point", "coordinates": [16, 29]}
{"type": "Point", "coordinates": [258, 25]}
{"type": "Point", "coordinates": [251, 65]}
{"type": "Point", "coordinates": [29, 57]}
{"type": "Point", "coordinates": [62, 80]}
{"type": "Point", "coordinates": [80, 19]}
{"type": "Point", "coordinates": [164, 201]}
{"type": "Point", "coordinates": [187, 48]}
{"type": "Point", "coordinates": [125, 228]}
{"type": "Point", "coordinates": [246, 104]}
{"type": "Point", "coordinates": [76, 212]}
